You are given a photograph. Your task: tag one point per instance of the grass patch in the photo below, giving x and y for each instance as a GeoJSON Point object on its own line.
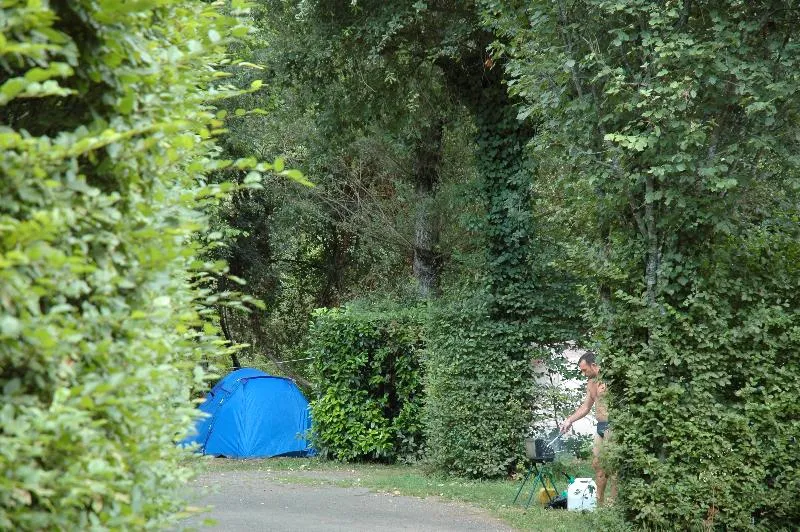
{"type": "Point", "coordinates": [495, 496]}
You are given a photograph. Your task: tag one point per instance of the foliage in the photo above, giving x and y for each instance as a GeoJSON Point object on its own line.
{"type": "Point", "coordinates": [367, 374]}
{"type": "Point", "coordinates": [726, 351]}
{"type": "Point", "coordinates": [386, 95]}
{"type": "Point", "coordinates": [419, 158]}
{"type": "Point", "coordinates": [580, 445]}
{"type": "Point", "coordinates": [528, 306]}
{"type": "Point", "coordinates": [667, 142]}
{"type": "Point", "coordinates": [106, 135]}
{"type": "Point", "coordinates": [349, 108]}
{"type": "Point", "coordinates": [476, 395]}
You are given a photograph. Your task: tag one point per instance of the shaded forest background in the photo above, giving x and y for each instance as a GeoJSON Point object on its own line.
{"type": "Point", "coordinates": [493, 182]}
{"type": "Point", "coordinates": [531, 176]}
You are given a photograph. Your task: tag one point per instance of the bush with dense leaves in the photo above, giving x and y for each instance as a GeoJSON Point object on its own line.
{"type": "Point", "coordinates": [367, 371]}
{"type": "Point", "coordinates": [477, 385]}
{"type": "Point", "coordinates": [715, 392]}
{"type": "Point", "coordinates": [667, 140]}
{"type": "Point", "coordinates": [105, 138]}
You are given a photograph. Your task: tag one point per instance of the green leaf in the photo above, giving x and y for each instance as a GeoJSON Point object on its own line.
{"type": "Point", "coordinates": [11, 88]}
{"type": "Point", "coordinates": [297, 175]}
{"type": "Point", "coordinates": [10, 326]}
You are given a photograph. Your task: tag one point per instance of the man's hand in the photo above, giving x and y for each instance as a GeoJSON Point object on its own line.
{"type": "Point", "coordinates": [565, 426]}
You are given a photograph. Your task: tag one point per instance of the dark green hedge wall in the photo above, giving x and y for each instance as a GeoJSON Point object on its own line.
{"type": "Point", "coordinates": [711, 417]}
{"type": "Point", "coordinates": [477, 383]}
{"type": "Point", "coordinates": [367, 374]}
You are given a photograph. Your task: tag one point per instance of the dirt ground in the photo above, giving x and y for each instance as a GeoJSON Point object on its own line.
{"type": "Point", "coordinates": [255, 501]}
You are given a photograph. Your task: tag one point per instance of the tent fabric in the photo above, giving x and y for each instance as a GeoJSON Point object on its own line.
{"type": "Point", "coordinates": [253, 415]}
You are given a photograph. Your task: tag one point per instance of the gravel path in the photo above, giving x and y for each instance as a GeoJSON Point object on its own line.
{"type": "Point", "coordinates": [255, 501]}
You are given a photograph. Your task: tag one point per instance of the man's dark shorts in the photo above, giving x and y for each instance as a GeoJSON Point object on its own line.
{"type": "Point", "coordinates": [602, 427]}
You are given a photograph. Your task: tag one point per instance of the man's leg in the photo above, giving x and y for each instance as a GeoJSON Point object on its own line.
{"type": "Point", "coordinates": [600, 474]}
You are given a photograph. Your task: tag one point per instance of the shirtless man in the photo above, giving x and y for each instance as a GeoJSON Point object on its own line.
{"type": "Point", "coordinates": [595, 395]}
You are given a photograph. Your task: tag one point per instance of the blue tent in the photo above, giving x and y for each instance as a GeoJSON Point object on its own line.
{"type": "Point", "coordinates": [253, 415]}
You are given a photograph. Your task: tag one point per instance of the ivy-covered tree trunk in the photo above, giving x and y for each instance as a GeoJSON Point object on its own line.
{"type": "Point", "coordinates": [509, 218]}
{"type": "Point", "coordinates": [479, 375]}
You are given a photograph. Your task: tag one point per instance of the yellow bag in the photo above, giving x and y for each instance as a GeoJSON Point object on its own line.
{"type": "Point", "coordinates": [542, 495]}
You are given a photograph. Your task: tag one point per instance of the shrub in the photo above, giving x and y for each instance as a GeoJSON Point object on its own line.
{"type": "Point", "coordinates": [721, 399]}
{"type": "Point", "coordinates": [682, 196]}
{"type": "Point", "coordinates": [105, 140]}
{"type": "Point", "coordinates": [580, 445]}
{"type": "Point", "coordinates": [367, 376]}
{"type": "Point", "coordinates": [477, 383]}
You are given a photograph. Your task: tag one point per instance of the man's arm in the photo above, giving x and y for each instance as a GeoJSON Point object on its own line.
{"type": "Point", "coordinates": [581, 411]}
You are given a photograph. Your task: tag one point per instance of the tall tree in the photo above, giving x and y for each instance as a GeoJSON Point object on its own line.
{"type": "Point", "coordinates": [374, 129]}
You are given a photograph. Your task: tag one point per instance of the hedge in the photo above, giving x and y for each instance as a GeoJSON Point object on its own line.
{"type": "Point", "coordinates": [367, 376]}
{"type": "Point", "coordinates": [708, 408]}
{"type": "Point", "coordinates": [477, 383]}
{"type": "Point", "coordinates": [105, 138]}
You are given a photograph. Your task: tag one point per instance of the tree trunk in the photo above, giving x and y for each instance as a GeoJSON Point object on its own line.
{"type": "Point", "coordinates": [426, 231]}
{"type": "Point", "coordinates": [223, 321]}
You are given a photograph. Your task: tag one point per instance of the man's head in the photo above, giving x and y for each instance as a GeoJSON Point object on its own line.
{"type": "Point", "coordinates": [588, 365]}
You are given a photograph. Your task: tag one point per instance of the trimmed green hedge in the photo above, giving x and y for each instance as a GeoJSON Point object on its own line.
{"type": "Point", "coordinates": [709, 408]}
{"type": "Point", "coordinates": [477, 384]}
{"type": "Point", "coordinates": [104, 141]}
{"type": "Point", "coordinates": [366, 369]}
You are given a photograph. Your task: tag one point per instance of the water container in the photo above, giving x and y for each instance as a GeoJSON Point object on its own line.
{"type": "Point", "coordinates": [582, 495]}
